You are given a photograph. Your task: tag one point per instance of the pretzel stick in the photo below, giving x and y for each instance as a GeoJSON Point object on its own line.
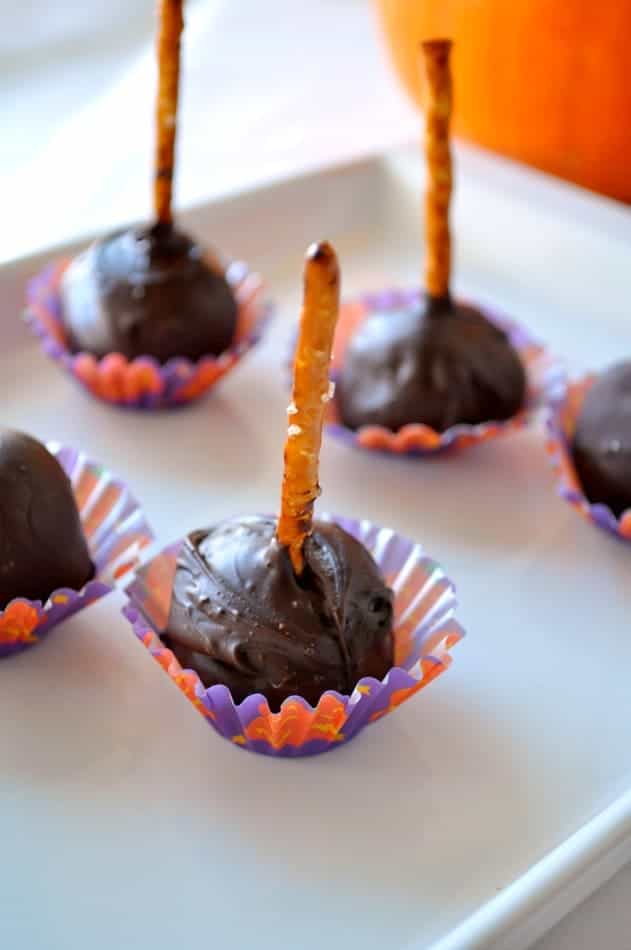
{"type": "Point", "coordinates": [310, 394]}
{"type": "Point", "coordinates": [438, 92]}
{"type": "Point", "coordinates": [170, 23]}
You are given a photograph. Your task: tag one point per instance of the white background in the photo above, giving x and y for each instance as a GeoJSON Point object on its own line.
{"type": "Point", "coordinates": [270, 87]}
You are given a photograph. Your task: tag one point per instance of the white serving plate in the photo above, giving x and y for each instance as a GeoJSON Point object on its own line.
{"type": "Point", "coordinates": [479, 812]}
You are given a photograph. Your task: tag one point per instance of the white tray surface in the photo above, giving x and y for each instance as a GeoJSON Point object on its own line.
{"type": "Point", "coordinates": [126, 822]}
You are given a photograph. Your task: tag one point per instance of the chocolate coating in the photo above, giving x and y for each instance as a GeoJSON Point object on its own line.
{"type": "Point", "coordinates": [147, 292]}
{"type": "Point", "coordinates": [440, 364]}
{"type": "Point", "coordinates": [240, 616]}
{"type": "Point", "coordinates": [42, 546]}
{"type": "Point", "coordinates": [602, 440]}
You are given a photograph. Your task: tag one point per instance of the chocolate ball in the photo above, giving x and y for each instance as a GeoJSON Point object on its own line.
{"type": "Point", "coordinates": [241, 617]}
{"type": "Point", "coordinates": [147, 292]}
{"type": "Point", "coordinates": [602, 440]}
{"type": "Point", "coordinates": [42, 546]}
{"type": "Point", "coordinates": [438, 363]}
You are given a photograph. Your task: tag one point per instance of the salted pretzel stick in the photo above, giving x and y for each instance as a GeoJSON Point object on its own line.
{"type": "Point", "coordinates": [438, 102]}
{"type": "Point", "coordinates": [310, 394]}
{"type": "Point", "coordinates": [170, 23]}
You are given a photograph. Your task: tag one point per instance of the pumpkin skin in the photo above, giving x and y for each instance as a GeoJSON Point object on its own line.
{"type": "Point", "coordinates": [546, 82]}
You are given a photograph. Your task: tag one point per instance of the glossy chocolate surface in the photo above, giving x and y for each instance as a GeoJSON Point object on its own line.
{"type": "Point", "coordinates": [602, 440]}
{"type": "Point", "coordinates": [240, 616]}
{"type": "Point", "coordinates": [440, 365]}
{"type": "Point", "coordinates": [42, 546]}
{"type": "Point", "coordinates": [148, 292]}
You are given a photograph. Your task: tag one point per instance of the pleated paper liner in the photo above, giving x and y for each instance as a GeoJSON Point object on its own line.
{"type": "Point", "coordinates": [545, 381]}
{"type": "Point", "coordinates": [116, 531]}
{"type": "Point", "coordinates": [561, 426]}
{"type": "Point", "coordinates": [425, 632]}
{"type": "Point", "coordinates": [143, 383]}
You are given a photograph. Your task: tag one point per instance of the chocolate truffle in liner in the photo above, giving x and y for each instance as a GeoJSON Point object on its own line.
{"type": "Point", "coordinates": [602, 440]}
{"type": "Point", "coordinates": [147, 292]}
{"type": "Point", "coordinates": [42, 546]}
{"type": "Point", "coordinates": [240, 616]}
{"type": "Point", "coordinates": [440, 364]}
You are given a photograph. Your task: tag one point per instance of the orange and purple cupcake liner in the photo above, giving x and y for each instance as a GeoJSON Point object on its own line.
{"type": "Point", "coordinates": [561, 427]}
{"type": "Point", "coordinates": [545, 381]}
{"type": "Point", "coordinates": [116, 531]}
{"type": "Point", "coordinates": [425, 631]}
{"type": "Point", "coordinates": [143, 383]}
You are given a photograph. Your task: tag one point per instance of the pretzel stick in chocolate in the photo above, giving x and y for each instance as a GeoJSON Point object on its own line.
{"type": "Point", "coordinates": [170, 23]}
{"type": "Point", "coordinates": [310, 394]}
{"type": "Point", "coordinates": [438, 103]}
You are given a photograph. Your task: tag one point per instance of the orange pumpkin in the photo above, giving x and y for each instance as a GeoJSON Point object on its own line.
{"type": "Point", "coordinates": [546, 82]}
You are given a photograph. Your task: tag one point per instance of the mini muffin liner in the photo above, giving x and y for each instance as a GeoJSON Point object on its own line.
{"type": "Point", "coordinates": [545, 381]}
{"type": "Point", "coordinates": [143, 383]}
{"type": "Point", "coordinates": [116, 531]}
{"type": "Point", "coordinates": [561, 426]}
{"type": "Point", "coordinates": [425, 631]}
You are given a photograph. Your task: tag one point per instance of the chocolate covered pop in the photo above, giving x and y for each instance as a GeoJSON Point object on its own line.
{"type": "Point", "coordinates": [42, 546]}
{"type": "Point", "coordinates": [443, 363]}
{"type": "Point", "coordinates": [602, 440]}
{"type": "Point", "coordinates": [290, 605]}
{"type": "Point", "coordinates": [152, 291]}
